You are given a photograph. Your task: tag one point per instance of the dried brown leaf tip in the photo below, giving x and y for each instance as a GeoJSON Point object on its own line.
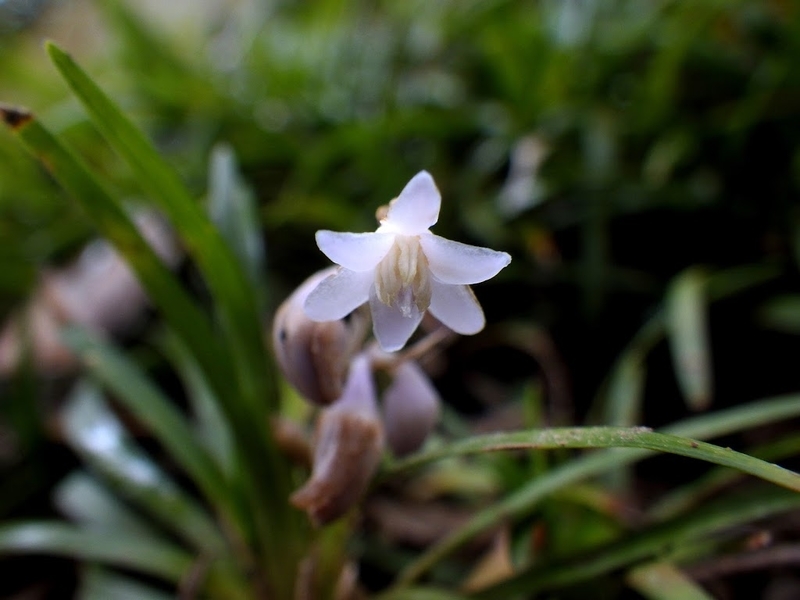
{"type": "Point", "coordinates": [15, 117]}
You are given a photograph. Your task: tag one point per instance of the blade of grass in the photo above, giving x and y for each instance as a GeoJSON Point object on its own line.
{"type": "Point", "coordinates": [664, 581]}
{"type": "Point", "coordinates": [250, 391]}
{"type": "Point", "coordinates": [607, 437]}
{"type": "Point", "coordinates": [140, 554]}
{"type": "Point", "coordinates": [234, 297]}
{"type": "Point", "coordinates": [82, 499]}
{"type": "Point", "coordinates": [102, 584]}
{"type": "Point", "coordinates": [213, 428]}
{"type": "Point", "coordinates": [169, 427]}
{"type": "Point", "coordinates": [652, 542]}
{"type": "Point", "coordinates": [687, 332]}
{"type": "Point", "coordinates": [99, 438]}
{"type": "Point", "coordinates": [524, 499]}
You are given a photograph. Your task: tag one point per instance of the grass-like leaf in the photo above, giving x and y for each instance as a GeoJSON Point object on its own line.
{"type": "Point", "coordinates": [731, 512]}
{"type": "Point", "coordinates": [525, 498]}
{"type": "Point", "coordinates": [95, 433]}
{"type": "Point", "coordinates": [664, 581]}
{"type": "Point", "coordinates": [608, 437]}
{"type": "Point", "coordinates": [152, 408]}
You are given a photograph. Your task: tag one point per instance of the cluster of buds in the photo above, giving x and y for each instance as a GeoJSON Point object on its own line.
{"type": "Point", "coordinates": [402, 271]}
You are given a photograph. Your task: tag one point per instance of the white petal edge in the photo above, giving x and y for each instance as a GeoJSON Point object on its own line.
{"type": "Point", "coordinates": [462, 264]}
{"type": "Point", "coordinates": [411, 407]}
{"type": "Point", "coordinates": [338, 295]}
{"type": "Point", "coordinates": [416, 208]}
{"type": "Point", "coordinates": [390, 327]}
{"type": "Point", "coordinates": [456, 307]}
{"type": "Point", "coordinates": [354, 251]}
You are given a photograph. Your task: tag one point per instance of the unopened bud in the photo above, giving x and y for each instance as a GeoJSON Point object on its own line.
{"type": "Point", "coordinates": [314, 356]}
{"type": "Point", "coordinates": [347, 449]}
{"type": "Point", "coordinates": [411, 409]}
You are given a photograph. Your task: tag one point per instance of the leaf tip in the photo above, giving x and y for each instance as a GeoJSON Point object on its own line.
{"type": "Point", "coordinates": [15, 117]}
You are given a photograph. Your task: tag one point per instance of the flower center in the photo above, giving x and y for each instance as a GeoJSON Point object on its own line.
{"type": "Point", "coordinates": [402, 278]}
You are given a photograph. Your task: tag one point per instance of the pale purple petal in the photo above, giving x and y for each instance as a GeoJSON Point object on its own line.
{"type": "Point", "coordinates": [391, 328]}
{"type": "Point", "coordinates": [355, 251]}
{"type": "Point", "coordinates": [338, 295]}
{"type": "Point", "coordinates": [416, 208]}
{"type": "Point", "coordinates": [359, 395]}
{"type": "Point", "coordinates": [454, 262]}
{"type": "Point", "coordinates": [456, 307]}
{"type": "Point", "coordinates": [410, 408]}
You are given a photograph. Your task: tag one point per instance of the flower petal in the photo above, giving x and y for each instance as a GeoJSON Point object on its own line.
{"type": "Point", "coordinates": [456, 307]}
{"type": "Point", "coordinates": [454, 262]}
{"type": "Point", "coordinates": [391, 328]}
{"type": "Point", "coordinates": [416, 208]}
{"type": "Point", "coordinates": [410, 408]}
{"type": "Point", "coordinates": [355, 251]}
{"type": "Point", "coordinates": [338, 295]}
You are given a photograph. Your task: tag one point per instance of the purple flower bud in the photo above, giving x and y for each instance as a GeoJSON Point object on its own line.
{"type": "Point", "coordinates": [347, 449]}
{"type": "Point", "coordinates": [411, 409]}
{"type": "Point", "coordinates": [314, 356]}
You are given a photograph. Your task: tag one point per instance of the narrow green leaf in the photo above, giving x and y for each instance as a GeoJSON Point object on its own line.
{"type": "Point", "coordinates": [607, 437]}
{"type": "Point", "coordinates": [420, 593]}
{"type": "Point", "coordinates": [93, 431]}
{"type": "Point", "coordinates": [688, 335]}
{"type": "Point", "coordinates": [141, 554]}
{"type": "Point", "coordinates": [152, 408]}
{"type": "Point", "coordinates": [652, 542]}
{"type": "Point", "coordinates": [232, 207]}
{"type": "Point", "coordinates": [782, 313]}
{"type": "Point", "coordinates": [144, 555]}
{"type": "Point", "coordinates": [528, 496]}
{"type": "Point", "coordinates": [102, 584]}
{"type": "Point", "coordinates": [664, 581]}
{"type": "Point", "coordinates": [82, 499]}
{"type": "Point", "coordinates": [212, 425]}
{"type": "Point", "coordinates": [235, 299]}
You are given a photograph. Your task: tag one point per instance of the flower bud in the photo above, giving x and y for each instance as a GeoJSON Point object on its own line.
{"type": "Point", "coordinates": [410, 408]}
{"type": "Point", "coordinates": [314, 356]}
{"type": "Point", "coordinates": [347, 449]}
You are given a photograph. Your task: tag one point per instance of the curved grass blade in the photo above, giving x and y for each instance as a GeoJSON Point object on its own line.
{"type": "Point", "coordinates": [82, 499]}
{"type": "Point", "coordinates": [151, 407]}
{"type": "Point", "coordinates": [144, 555]}
{"type": "Point", "coordinates": [232, 208]}
{"type": "Point", "coordinates": [683, 532]}
{"type": "Point", "coordinates": [607, 437]}
{"type": "Point", "coordinates": [687, 331]}
{"type": "Point", "coordinates": [212, 427]}
{"type": "Point", "coordinates": [112, 221]}
{"type": "Point", "coordinates": [101, 584]}
{"type": "Point", "coordinates": [664, 581]}
{"type": "Point", "coordinates": [528, 496]}
{"type": "Point", "coordinates": [95, 434]}
{"type": "Point", "coordinates": [234, 296]}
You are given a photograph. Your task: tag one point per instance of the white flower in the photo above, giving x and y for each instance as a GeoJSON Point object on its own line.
{"type": "Point", "coordinates": [403, 269]}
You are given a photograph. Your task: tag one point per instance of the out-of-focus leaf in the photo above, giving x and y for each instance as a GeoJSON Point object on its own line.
{"type": "Point", "coordinates": [782, 313]}
{"type": "Point", "coordinates": [687, 331]}
{"type": "Point", "coordinates": [607, 437]}
{"type": "Point", "coordinates": [232, 207]}
{"type": "Point", "coordinates": [150, 406]}
{"type": "Point", "coordinates": [102, 584]}
{"type": "Point", "coordinates": [664, 581]}
{"type": "Point", "coordinates": [144, 555]}
{"type": "Point", "coordinates": [82, 499]}
{"type": "Point", "coordinates": [213, 428]}
{"type": "Point", "coordinates": [93, 431]}
{"type": "Point", "coordinates": [525, 498]}
{"type": "Point", "coordinates": [726, 514]}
